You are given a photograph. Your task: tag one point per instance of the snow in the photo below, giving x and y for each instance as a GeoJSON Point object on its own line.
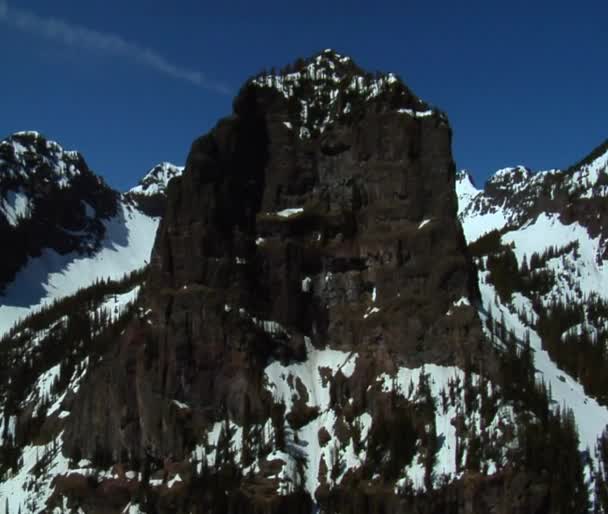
{"type": "Point", "coordinates": [132, 508]}
{"type": "Point", "coordinates": [373, 310]}
{"type": "Point", "coordinates": [424, 223]}
{"type": "Point", "coordinates": [591, 418]}
{"type": "Point", "coordinates": [281, 381]}
{"type": "Point", "coordinates": [309, 373]}
{"type": "Point", "coordinates": [416, 114]}
{"type": "Point", "coordinates": [579, 273]}
{"type": "Point", "coordinates": [61, 164]}
{"type": "Point", "coordinates": [15, 206]}
{"type": "Point", "coordinates": [465, 191]}
{"type": "Point", "coordinates": [24, 489]}
{"type": "Point", "coordinates": [114, 305]}
{"type": "Point", "coordinates": [42, 388]}
{"type": "Point", "coordinates": [286, 213]}
{"type": "Point", "coordinates": [479, 224]}
{"type": "Point", "coordinates": [547, 231]}
{"type": "Point", "coordinates": [511, 172]}
{"type": "Point", "coordinates": [580, 329]}
{"type": "Point", "coordinates": [462, 302]}
{"type": "Point", "coordinates": [477, 215]}
{"type": "Point", "coordinates": [157, 179]}
{"type": "Point", "coordinates": [587, 181]}
{"type": "Point", "coordinates": [72, 387]}
{"type": "Point", "coordinates": [126, 247]}
{"type": "Point", "coordinates": [321, 84]}
{"type": "Point", "coordinates": [175, 480]}
{"type": "Point", "coordinates": [306, 284]}
{"type": "Point", "coordinates": [269, 326]}
{"type": "Point", "coordinates": [459, 303]}
{"type": "Point", "coordinates": [405, 383]}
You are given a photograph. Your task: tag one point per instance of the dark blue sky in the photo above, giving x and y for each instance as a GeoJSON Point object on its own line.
{"type": "Point", "coordinates": [132, 83]}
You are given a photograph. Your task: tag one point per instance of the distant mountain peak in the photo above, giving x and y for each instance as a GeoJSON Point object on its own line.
{"type": "Point", "coordinates": [150, 194]}
{"type": "Point", "coordinates": [157, 179]}
{"type": "Point", "coordinates": [28, 156]}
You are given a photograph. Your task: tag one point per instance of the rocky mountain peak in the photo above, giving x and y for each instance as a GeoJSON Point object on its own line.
{"type": "Point", "coordinates": [330, 87]}
{"type": "Point", "coordinates": [507, 178]}
{"type": "Point", "coordinates": [150, 194]}
{"type": "Point", "coordinates": [293, 279]}
{"type": "Point", "coordinates": [516, 195]}
{"type": "Point", "coordinates": [157, 179]}
{"type": "Point", "coordinates": [49, 199]}
{"type": "Point", "coordinates": [29, 157]}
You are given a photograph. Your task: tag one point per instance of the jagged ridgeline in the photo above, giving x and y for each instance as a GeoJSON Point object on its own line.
{"type": "Point", "coordinates": [49, 198]}
{"type": "Point", "coordinates": [309, 336]}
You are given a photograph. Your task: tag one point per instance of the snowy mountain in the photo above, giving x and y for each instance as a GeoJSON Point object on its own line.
{"type": "Point", "coordinates": [540, 245]}
{"type": "Point", "coordinates": [312, 332]}
{"type": "Point", "coordinates": [156, 180]}
{"type": "Point", "coordinates": [65, 227]}
{"type": "Point", "coordinates": [151, 192]}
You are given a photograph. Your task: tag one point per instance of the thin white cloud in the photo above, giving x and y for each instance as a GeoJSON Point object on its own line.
{"type": "Point", "coordinates": [108, 43]}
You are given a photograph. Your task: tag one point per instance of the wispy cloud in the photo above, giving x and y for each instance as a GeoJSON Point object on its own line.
{"type": "Point", "coordinates": [107, 43]}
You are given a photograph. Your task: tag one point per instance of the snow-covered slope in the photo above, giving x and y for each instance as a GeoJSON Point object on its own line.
{"type": "Point", "coordinates": [126, 246]}
{"type": "Point", "coordinates": [64, 226]}
{"type": "Point", "coordinates": [515, 196]}
{"type": "Point", "coordinates": [480, 215]}
{"type": "Point", "coordinates": [535, 212]}
{"type": "Point", "coordinates": [553, 224]}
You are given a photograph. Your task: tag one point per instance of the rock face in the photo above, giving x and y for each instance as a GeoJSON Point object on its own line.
{"type": "Point", "coordinates": [48, 199]}
{"type": "Point", "coordinates": [313, 232]}
{"type": "Point", "coordinates": [310, 251]}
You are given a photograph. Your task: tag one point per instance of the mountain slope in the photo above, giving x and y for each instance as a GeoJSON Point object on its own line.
{"type": "Point", "coordinates": [540, 243]}
{"type": "Point", "coordinates": [64, 226]}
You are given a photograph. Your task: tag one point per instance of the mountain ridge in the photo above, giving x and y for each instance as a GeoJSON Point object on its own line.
{"type": "Point", "coordinates": [65, 226]}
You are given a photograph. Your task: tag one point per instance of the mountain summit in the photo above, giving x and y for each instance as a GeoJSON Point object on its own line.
{"type": "Point", "coordinates": [329, 87]}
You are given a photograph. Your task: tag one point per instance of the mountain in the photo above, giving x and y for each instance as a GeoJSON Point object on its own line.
{"type": "Point", "coordinates": [312, 334]}
{"type": "Point", "coordinates": [150, 194]}
{"type": "Point", "coordinates": [64, 226]}
{"type": "Point", "coordinates": [539, 241]}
